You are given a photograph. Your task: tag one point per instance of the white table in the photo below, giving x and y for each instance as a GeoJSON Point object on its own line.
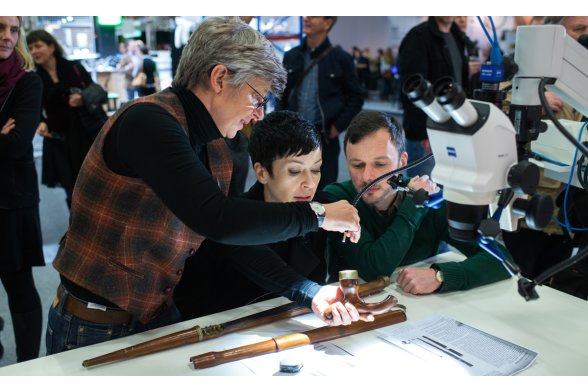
{"type": "Point", "coordinates": [555, 326]}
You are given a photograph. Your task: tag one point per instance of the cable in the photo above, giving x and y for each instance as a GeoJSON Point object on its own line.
{"type": "Point", "coordinates": [388, 175]}
{"type": "Point", "coordinates": [548, 273]}
{"type": "Point", "coordinates": [527, 287]}
{"type": "Point", "coordinates": [565, 204]}
{"type": "Point", "coordinates": [542, 84]}
{"type": "Point", "coordinates": [485, 31]}
{"type": "Point", "coordinates": [547, 159]}
{"type": "Point", "coordinates": [582, 172]}
{"type": "Point", "coordinates": [567, 221]}
{"type": "Point", "coordinates": [493, 29]}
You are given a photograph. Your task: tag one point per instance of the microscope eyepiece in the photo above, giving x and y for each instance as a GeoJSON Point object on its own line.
{"type": "Point", "coordinates": [452, 98]}
{"type": "Point", "coordinates": [418, 91]}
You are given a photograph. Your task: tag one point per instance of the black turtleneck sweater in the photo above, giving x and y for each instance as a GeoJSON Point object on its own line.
{"type": "Point", "coordinates": [147, 142]}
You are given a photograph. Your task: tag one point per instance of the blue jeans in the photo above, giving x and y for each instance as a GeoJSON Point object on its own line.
{"type": "Point", "coordinates": [67, 332]}
{"type": "Point", "coordinates": [415, 150]}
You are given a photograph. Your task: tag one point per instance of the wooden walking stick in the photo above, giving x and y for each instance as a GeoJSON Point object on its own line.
{"type": "Point", "coordinates": [281, 343]}
{"type": "Point", "coordinates": [197, 334]}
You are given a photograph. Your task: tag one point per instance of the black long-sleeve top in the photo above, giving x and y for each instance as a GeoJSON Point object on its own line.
{"type": "Point", "coordinates": [289, 268]}
{"type": "Point", "coordinates": [148, 142]}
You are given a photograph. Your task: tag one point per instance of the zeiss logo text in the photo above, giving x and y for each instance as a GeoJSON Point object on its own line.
{"type": "Point", "coordinates": [451, 152]}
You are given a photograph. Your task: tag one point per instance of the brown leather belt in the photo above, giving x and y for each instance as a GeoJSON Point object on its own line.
{"type": "Point", "coordinates": [80, 309]}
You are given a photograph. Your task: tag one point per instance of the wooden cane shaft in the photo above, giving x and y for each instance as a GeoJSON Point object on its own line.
{"type": "Point", "coordinates": [215, 358]}
{"type": "Point", "coordinates": [180, 338]}
{"type": "Point", "coordinates": [374, 286]}
{"type": "Point", "coordinates": [197, 334]}
{"type": "Point", "coordinates": [314, 336]}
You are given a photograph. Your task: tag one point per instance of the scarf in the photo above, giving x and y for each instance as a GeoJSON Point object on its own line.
{"type": "Point", "coordinates": [10, 73]}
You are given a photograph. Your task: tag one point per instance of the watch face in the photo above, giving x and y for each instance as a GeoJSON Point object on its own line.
{"type": "Point", "coordinates": [318, 208]}
{"type": "Point", "coordinates": [439, 276]}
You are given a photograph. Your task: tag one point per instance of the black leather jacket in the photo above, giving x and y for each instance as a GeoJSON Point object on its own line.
{"type": "Point", "coordinates": [340, 95]}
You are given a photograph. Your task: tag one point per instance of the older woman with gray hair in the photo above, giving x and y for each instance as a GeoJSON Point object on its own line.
{"type": "Point", "coordinates": [153, 187]}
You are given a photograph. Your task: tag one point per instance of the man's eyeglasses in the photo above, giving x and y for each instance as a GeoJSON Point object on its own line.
{"type": "Point", "coordinates": [261, 101]}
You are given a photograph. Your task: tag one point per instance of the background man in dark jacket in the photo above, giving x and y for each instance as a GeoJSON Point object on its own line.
{"type": "Point", "coordinates": [434, 49]}
{"type": "Point", "coordinates": [328, 94]}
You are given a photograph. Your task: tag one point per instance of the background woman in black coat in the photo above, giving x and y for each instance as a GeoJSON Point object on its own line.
{"type": "Point", "coordinates": [21, 246]}
{"type": "Point", "coordinates": [66, 141]}
{"type": "Point", "coordinates": [150, 69]}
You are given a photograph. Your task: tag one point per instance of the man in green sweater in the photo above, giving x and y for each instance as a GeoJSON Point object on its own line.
{"type": "Point", "coordinates": [394, 232]}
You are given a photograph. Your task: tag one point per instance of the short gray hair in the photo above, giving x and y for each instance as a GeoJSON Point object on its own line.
{"type": "Point", "coordinates": [245, 52]}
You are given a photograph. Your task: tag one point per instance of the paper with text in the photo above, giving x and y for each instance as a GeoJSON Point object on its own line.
{"type": "Point", "coordinates": [459, 347]}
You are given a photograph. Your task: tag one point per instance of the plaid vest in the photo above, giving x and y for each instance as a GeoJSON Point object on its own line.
{"type": "Point", "coordinates": [123, 243]}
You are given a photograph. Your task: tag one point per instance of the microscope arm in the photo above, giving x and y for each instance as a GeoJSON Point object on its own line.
{"type": "Point", "coordinates": [548, 52]}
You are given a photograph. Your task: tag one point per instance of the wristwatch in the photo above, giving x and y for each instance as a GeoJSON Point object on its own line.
{"type": "Point", "coordinates": [320, 212]}
{"type": "Point", "coordinates": [438, 273]}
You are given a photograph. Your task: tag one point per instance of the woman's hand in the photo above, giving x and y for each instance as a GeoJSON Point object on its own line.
{"type": "Point", "coordinates": [342, 217]}
{"type": "Point", "coordinates": [329, 304]}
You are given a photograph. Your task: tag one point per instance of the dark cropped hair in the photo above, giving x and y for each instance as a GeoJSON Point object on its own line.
{"type": "Point", "coordinates": [334, 19]}
{"type": "Point", "coordinates": [366, 123]}
{"type": "Point", "coordinates": [282, 134]}
{"type": "Point", "coordinates": [42, 35]}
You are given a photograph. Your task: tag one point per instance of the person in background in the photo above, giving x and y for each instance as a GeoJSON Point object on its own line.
{"type": "Point", "coordinates": [285, 151]}
{"type": "Point", "coordinates": [130, 64]}
{"type": "Point", "coordinates": [322, 86]}
{"type": "Point", "coordinates": [154, 186]}
{"type": "Point", "coordinates": [121, 54]}
{"type": "Point", "coordinates": [471, 47]}
{"type": "Point", "coordinates": [65, 142]}
{"type": "Point", "coordinates": [434, 48]}
{"type": "Point", "coordinates": [472, 53]}
{"type": "Point", "coordinates": [385, 83]}
{"type": "Point", "coordinates": [21, 244]}
{"type": "Point", "coordinates": [395, 233]}
{"type": "Point", "coordinates": [150, 69]}
{"type": "Point", "coordinates": [362, 65]}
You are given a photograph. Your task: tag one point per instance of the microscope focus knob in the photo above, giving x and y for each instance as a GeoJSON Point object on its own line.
{"type": "Point", "coordinates": [524, 177]}
{"type": "Point", "coordinates": [537, 210]}
{"type": "Point", "coordinates": [489, 228]}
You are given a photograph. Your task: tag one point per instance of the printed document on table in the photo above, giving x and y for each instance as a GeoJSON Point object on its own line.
{"type": "Point", "coordinates": [443, 339]}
